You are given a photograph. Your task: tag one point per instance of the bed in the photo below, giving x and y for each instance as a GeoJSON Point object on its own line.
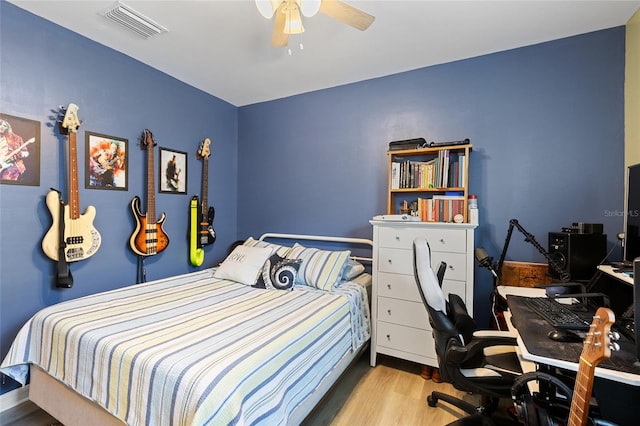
{"type": "Point", "coordinates": [202, 348]}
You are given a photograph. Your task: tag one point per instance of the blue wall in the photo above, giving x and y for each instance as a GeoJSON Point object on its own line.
{"type": "Point", "coordinates": [44, 66]}
{"type": "Point", "coordinates": [546, 123]}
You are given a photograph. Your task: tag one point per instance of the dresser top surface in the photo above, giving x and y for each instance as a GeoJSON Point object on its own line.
{"type": "Point", "coordinates": [391, 223]}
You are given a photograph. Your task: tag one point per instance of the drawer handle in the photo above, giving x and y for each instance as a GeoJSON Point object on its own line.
{"type": "Point", "coordinates": [451, 267]}
{"type": "Point", "coordinates": [389, 260]}
{"type": "Point", "coordinates": [389, 311]}
{"type": "Point", "coordinates": [388, 337]}
{"type": "Point", "coordinates": [397, 238]}
{"type": "Point", "coordinates": [442, 240]}
{"type": "Point", "coordinates": [389, 286]}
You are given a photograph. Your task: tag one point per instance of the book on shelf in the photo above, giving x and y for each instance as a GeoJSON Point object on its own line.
{"type": "Point", "coordinates": [395, 175]}
{"type": "Point", "coordinates": [439, 208]}
{"type": "Point", "coordinates": [461, 169]}
{"type": "Point", "coordinates": [445, 170]}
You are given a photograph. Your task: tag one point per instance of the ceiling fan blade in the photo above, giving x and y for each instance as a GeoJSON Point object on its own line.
{"type": "Point", "coordinates": [347, 14]}
{"type": "Point", "coordinates": [279, 38]}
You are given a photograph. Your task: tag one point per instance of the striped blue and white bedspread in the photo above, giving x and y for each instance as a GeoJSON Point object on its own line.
{"type": "Point", "coordinates": [193, 350]}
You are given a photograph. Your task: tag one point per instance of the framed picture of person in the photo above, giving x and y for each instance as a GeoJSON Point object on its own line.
{"type": "Point", "coordinates": [19, 151]}
{"type": "Point", "coordinates": [173, 171]}
{"type": "Point", "coordinates": [106, 162]}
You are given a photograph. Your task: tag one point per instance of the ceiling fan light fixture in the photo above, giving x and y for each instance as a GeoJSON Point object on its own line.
{"type": "Point", "coordinates": [293, 23]}
{"type": "Point", "coordinates": [268, 7]}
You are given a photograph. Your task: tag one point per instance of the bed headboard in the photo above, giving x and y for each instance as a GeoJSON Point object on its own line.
{"type": "Point", "coordinates": [346, 241]}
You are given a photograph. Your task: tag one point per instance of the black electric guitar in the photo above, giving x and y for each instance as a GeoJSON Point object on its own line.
{"type": "Point", "coordinates": [207, 233]}
{"type": "Point", "coordinates": [149, 237]}
{"type": "Point", "coordinates": [72, 235]}
{"type": "Point", "coordinates": [201, 225]}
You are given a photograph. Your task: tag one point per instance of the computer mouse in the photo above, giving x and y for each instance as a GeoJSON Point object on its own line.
{"type": "Point", "coordinates": [564, 336]}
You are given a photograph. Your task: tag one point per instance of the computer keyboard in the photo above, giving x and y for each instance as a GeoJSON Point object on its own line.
{"type": "Point", "coordinates": [556, 314]}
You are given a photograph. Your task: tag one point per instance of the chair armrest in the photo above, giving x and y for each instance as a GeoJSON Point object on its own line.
{"type": "Point", "coordinates": [458, 354]}
{"type": "Point", "coordinates": [494, 333]}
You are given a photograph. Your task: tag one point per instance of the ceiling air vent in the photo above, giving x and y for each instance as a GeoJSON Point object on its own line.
{"type": "Point", "coordinates": [133, 20]}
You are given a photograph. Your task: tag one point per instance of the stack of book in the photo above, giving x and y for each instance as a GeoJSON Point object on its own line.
{"type": "Point", "coordinates": [439, 208]}
{"type": "Point", "coordinates": [447, 170]}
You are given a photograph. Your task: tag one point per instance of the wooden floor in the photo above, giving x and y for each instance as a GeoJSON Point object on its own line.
{"type": "Point", "coordinates": [392, 393]}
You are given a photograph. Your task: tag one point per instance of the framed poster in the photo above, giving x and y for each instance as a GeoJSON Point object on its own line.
{"type": "Point", "coordinates": [106, 164]}
{"type": "Point", "coordinates": [173, 171]}
{"type": "Point", "coordinates": [19, 151]}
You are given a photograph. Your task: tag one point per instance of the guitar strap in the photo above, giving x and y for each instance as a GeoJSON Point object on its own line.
{"type": "Point", "coordinates": [64, 278]}
{"type": "Point", "coordinates": [141, 276]}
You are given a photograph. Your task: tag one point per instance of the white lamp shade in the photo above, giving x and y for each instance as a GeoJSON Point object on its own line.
{"type": "Point", "coordinates": [293, 22]}
{"type": "Point", "coordinates": [310, 7]}
{"type": "Point", "coordinates": [267, 7]}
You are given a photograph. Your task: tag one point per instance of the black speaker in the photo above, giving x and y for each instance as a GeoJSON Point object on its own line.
{"type": "Point", "coordinates": [577, 254]}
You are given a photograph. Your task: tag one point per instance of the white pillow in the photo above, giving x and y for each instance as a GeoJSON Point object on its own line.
{"type": "Point", "coordinates": [351, 269]}
{"type": "Point", "coordinates": [243, 264]}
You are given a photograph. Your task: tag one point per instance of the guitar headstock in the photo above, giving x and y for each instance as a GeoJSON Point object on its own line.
{"type": "Point", "coordinates": [203, 151]}
{"type": "Point", "coordinates": [147, 140]}
{"type": "Point", "coordinates": [70, 122]}
{"type": "Point", "coordinates": [600, 340]}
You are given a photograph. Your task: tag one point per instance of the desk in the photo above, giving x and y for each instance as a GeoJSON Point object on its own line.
{"type": "Point", "coordinates": [616, 389]}
{"type": "Point", "coordinates": [537, 347]}
{"type": "Point", "coordinates": [610, 270]}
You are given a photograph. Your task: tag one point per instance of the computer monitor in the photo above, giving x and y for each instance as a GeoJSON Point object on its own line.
{"type": "Point", "coordinates": [636, 303]}
{"type": "Point", "coordinates": [632, 216]}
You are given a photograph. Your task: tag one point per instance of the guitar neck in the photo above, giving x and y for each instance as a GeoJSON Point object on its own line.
{"type": "Point", "coordinates": [582, 394]}
{"type": "Point", "coordinates": [596, 347]}
{"type": "Point", "coordinates": [74, 197]}
{"type": "Point", "coordinates": [151, 187]}
{"type": "Point", "coordinates": [205, 186]}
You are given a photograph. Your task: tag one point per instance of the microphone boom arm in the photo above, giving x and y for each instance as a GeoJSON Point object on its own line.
{"type": "Point", "coordinates": [564, 275]}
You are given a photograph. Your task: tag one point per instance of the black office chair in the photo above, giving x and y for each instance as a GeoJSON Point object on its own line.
{"type": "Point", "coordinates": [481, 362]}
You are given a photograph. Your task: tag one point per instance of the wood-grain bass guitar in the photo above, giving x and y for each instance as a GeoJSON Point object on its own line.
{"type": "Point", "coordinates": [72, 235]}
{"type": "Point", "coordinates": [149, 237]}
{"type": "Point", "coordinates": [201, 217]}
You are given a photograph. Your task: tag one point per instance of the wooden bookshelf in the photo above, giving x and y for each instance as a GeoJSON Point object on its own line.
{"type": "Point", "coordinates": [439, 174]}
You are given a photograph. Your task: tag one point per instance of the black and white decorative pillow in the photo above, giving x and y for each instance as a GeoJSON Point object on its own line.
{"type": "Point", "coordinates": [278, 273]}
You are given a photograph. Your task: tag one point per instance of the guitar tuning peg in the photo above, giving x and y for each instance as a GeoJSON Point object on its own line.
{"type": "Point", "coordinates": [62, 108]}
{"type": "Point", "coordinates": [614, 335]}
{"type": "Point", "coordinates": [614, 346]}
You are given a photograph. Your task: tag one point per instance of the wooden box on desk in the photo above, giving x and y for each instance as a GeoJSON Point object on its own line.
{"type": "Point", "coordinates": [524, 274]}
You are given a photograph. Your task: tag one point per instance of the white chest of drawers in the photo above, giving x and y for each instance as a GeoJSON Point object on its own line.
{"type": "Point", "coordinates": [400, 323]}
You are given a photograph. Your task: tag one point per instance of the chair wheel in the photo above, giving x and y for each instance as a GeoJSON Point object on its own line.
{"type": "Point", "coordinates": [432, 401]}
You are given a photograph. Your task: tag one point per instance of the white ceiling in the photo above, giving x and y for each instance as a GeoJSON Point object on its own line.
{"type": "Point", "coordinates": [223, 47]}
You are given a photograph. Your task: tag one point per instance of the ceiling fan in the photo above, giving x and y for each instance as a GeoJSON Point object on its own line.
{"type": "Point", "coordinates": [288, 19]}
